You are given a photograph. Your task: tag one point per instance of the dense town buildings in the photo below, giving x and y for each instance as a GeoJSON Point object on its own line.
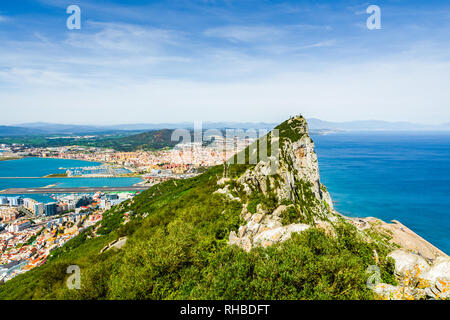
{"type": "Point", "coordinates": [8, 214]}
{"type": "Point", "coordinates": [178, 160]}
{"type": "Point", "coordinates": [25, 245]}
{"type": "Point", "coordinates": [26, 240]}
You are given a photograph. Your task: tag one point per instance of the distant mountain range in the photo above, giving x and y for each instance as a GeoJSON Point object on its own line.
{"type": "Point", "coordinates": [18, 131]}
{"type": "Point", "coordinates": [77, 129]}
{"type": "Point", "coordinates": [39, 128]}
{"type": "Point", "coordinates": [42, 128]}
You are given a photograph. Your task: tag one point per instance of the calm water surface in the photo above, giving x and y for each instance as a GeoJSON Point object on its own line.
{"type": "Point", "coordinates": [39, 167]}
{"type": "Point", "coordinates": [391, 176]}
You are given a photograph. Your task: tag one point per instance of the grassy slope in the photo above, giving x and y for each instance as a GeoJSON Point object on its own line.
{"type": "Point", "coordinates": [177, 249]}
{"type": "Point", "coordinates": [152, 140]}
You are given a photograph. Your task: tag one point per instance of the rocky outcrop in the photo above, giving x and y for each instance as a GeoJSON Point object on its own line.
{"type": "Point", "coordinates": [401, 235]}
{"type": "Point", "coordinates": [226, 191]}
{"type": "Point", "coordinates": [408, 264]}
{"type": "Point", "coordinates": [418, 279]}
{"type": "Point", "coordinates": [291, 174]}
{"type": "Point", "coordinates": [292, 171]}
{"type": "Point", "coordinates": [264, 229]}
{"type": "Point", "coordinates": [390, 292]}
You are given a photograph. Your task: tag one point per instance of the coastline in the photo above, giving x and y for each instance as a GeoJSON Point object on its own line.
{"type": "Point", "coordinates": [10, 158]}
{"type": "Point", "coordinates": [399, 234]}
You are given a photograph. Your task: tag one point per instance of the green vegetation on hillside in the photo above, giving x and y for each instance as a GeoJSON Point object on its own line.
{"type": "Point", "coordinates": [288, 130]}
{"type": "Point", "coordinates": [177, 249]}
{"type": "Point", "coordinates": [152, 140]}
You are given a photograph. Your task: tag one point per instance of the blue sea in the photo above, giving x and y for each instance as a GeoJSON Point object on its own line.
{"type": "Point", "coordinates": [39, 167]}
{"type": "Point", "coordinates": [391, 176]}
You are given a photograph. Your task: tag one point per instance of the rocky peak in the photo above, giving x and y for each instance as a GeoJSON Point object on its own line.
{"type": "Point", "coordinates": [298, 159]}
{"type": "Point", "coordinates": [296, 176]}
{"type": "Point", "coordinates": [282, 192]}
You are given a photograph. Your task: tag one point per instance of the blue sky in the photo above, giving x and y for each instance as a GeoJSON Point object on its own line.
{"type": "Point", "coordinates": [213, 60]}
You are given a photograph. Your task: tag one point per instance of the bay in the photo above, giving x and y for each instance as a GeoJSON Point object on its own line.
{"type": "Point", "coordinates": [39, 167]}
{"type": "Point", "coordinates": [402, 176]}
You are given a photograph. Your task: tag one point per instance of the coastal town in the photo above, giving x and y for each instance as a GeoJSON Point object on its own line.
{"type": "Point", "coordinates": [30, 229]}
{"type": "Point", "coordinates": [182, 161]}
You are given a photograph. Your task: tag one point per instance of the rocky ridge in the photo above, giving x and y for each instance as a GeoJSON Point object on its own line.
{"type": "Point", "coordinates": [290, 198]}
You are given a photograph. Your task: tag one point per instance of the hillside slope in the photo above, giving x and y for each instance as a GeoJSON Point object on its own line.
{"type": "Point", "coordinates": [17, 131]}
{"type": "Point", "coordinates": [151, 140]}
{"type": "Point", "coordinates": [238, 231]}
{"type": "Point", "coordinates": [120, 141]}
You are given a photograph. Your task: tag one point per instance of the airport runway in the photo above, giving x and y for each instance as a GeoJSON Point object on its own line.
{"type": "Point", "coordinates": [71, 190]}
{"type": "Point", "coordinates": [14, 178]}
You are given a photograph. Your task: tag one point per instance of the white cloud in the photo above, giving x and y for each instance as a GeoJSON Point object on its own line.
{"type": "Point", "coordinates": [237, 33]}
{"type": "Point", "coordinates": [105, 50]}
{"type": "Point", "coordinates": [321, 44]}
{"type": "Point", "coordinates": [29, 78]}
{"type": "Point", "coordinates": [245, 33]}
{"type": "Point", "coordinates": [123, 37]}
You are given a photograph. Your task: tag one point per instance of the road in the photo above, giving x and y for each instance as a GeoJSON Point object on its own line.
{"type": "Point", "coordinates": [71, 190]}
{"type": "Point", "coordinates": [26, 212]}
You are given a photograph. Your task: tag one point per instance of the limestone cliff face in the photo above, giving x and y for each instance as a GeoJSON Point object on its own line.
{"type": "Point", "coordinates": [290, 177]}
{"type": "Point", "coordinates": [298, 160]}
{"type": "Point", "coordinates": [297, 169]}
